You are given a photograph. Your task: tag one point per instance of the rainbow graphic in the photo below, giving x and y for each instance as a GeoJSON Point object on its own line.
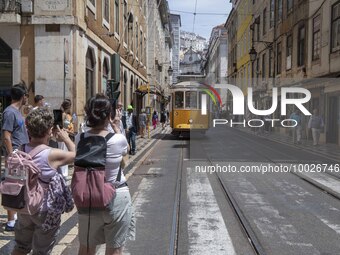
{"type": "Point", "coordinates": [213, 94]}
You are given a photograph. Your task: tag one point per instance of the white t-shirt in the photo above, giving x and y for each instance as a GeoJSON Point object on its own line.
{"type": "Point", "coordinates": [116, 149]}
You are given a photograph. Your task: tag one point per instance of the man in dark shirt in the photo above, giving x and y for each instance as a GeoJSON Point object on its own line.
{"type": "Point", "coordinates": [14, 131]}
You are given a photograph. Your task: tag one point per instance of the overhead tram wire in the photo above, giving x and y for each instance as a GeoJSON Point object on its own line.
{"type": "Point", "coordinates": [193, 26]}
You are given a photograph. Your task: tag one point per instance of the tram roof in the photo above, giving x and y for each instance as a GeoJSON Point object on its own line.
{"type": "Point", "coordinates": [187, 85]}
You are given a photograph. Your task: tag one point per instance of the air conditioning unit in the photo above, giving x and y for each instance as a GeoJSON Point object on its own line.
{"type": "Point", "coordinates": [27, 6]}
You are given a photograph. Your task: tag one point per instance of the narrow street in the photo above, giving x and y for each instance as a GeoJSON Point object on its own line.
{"type": "Point", "coordinates": [180, 210]}
{"type": "Point", "coordinates": [264, 181]}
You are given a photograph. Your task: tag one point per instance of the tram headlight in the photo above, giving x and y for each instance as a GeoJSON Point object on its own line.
{"type": "Point", "coordinates": [191, 121]}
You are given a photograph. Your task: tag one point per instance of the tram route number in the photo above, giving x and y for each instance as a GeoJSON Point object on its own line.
{"type": "Point", "coordinates": [316, 168]}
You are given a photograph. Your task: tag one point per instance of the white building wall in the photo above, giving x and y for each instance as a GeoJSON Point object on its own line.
{"type": "Point", "coordinates": [49, 64]}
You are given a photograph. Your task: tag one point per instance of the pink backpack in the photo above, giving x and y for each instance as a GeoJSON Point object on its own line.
{"type": "Point", "coordinates": [88, 185]}
{"type": "Point", "coordinates": [22, 190]}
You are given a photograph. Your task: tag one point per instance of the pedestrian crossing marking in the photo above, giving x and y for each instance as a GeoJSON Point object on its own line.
{"type": "Point", "coordinates": [208, 236]}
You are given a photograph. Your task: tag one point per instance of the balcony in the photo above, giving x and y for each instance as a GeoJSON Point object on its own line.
{"type": "Point", "coordinates": [10, 11]}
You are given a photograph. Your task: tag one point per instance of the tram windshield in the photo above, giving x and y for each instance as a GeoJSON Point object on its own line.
{"type": "Point", "coordinates": [191, 99]}
{"type": "Point", "coordinates": [179, 99]}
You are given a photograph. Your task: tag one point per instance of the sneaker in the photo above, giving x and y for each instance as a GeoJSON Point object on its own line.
{"type": "Point", "coordinates": [9, 228]}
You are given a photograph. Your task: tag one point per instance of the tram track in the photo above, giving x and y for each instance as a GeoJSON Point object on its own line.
{"type": "Point", "coordinates": [321, 188]}
{"type": "Point", "coordinates": [245, 225]}
{"type": "Point", "coordinates": [247, 228]}
{"type": "Point", "coordinates": [173, 246]}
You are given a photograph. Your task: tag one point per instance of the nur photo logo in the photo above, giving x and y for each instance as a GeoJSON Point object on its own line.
{"type": "Point", "coordinates": [238, 103]}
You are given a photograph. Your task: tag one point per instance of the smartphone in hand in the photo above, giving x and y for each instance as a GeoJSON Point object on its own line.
{"type": "Point", "coordinates": [58, 118]}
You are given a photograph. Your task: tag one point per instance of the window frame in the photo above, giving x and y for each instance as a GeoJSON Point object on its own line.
{"type": "Point", "coordinates": [316, 36]}
{"type": "Point", "coordinates": [279, 11]}
{"type": "Point", "coordinates": [182, 102]}
{"type": "Point", "coordinates": [271, 13]}
{"type": "Point", "coordinates": [263, 65]}
{"type": "Point", "coordinates": [301, 46]}
{"type": "Point", "coordinates": [91, 4]}
{"type": "Point", "coordinates": [117, 17]}
{"type": "Point", "coordinates": [289, 50]}
{"type": "Point", "coordinates": [106, 20]}
{"type": "Point", "coordinates": [279, 58]}
{"type": "Point", "coordinates": [270, 63]}
{"type": "Point", "coordinates": [290, 7]}
{"type": "Point", "coordinates": [126, 23]}
{"type": "Point", "coordinates": [264, 25]}
{"type": "Point", "coordinates": [333, 21]}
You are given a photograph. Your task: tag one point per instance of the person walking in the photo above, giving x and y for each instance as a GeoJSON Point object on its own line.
{"type": "Point", "coordinates": [142, 122]}
{"type": "Point", "coordinates": [67, 116]}
{"type": "Point", "coordinates": [297, 130]}
{"type": "Point", "coordinates": [39, 101]}
{"type": "Point", "coordinates": [14, 132]}
{"type": "Point", "coordinates": [316, 124]}
{"type": "Point", "coordinates": [154, 119]}
{"type": "Point", "coordinates": [163, 119]}
{"type": "Point", "coordinates": [122, 119]}
{"type": "Point", "coordinates": [131, 129]}
{"type": "Point", "coordinates": [114, 224]}
{"type": "Point", "coordinates": [39, 231]}
{"type": "Point", "coordinates": [68, 126]}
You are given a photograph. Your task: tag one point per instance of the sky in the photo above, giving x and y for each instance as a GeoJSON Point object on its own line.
{"type": "Point", "coordinates": [203, 23]}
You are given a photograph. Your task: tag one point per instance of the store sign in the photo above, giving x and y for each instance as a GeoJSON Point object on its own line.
{"type": "Point", "coordinates": [47, 7]}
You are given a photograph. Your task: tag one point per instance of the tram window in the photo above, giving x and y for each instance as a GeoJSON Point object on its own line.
{"type": "Point", "coordinates": [191, 99]}
{"type": "Point", "coordinates": [179, 99]}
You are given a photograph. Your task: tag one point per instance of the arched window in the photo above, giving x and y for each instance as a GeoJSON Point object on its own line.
{"type": "Point", "coordinates": [130, 32]}
{"type": "Point", "coordinates": [90, 73]}
{"type": "Point", "coordinates": [106, 71]}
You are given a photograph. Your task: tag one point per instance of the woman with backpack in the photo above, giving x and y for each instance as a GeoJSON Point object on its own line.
{"type": "Point", "coordinates": [38, 231]}
{"type": "Point", "coordinates": [111, 223]}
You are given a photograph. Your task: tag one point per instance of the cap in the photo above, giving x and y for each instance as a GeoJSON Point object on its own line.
{"type": "Point", "coordinates": [130, 107]}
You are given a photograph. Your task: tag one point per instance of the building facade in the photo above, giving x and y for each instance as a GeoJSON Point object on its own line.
{"type": "Point", "coordinates": [191, 63]}
{"type": "Point", "coordinates": [70, 49]}
{"type": "Point", "coordinates": [159, 46]}
{"type": "Point", "coordinates": [216, 63]}
{"type": "Point", "coordinates": [296, 44]}
{"type": "Point", "coordinates": [194, 41]}
{"type": "Point", "coordinates": [176, 33]}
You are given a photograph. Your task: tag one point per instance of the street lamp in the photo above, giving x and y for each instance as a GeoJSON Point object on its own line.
{"type": "Point", "coordinates": [252, 54]}
{"type": "Point", "coordinates": [170, 71]}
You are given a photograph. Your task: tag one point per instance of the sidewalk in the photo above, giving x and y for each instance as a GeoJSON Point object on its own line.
{"type": "Point", "coordinates": [330, 151]}
{"type": "Point", "coordinates": [141, 143]}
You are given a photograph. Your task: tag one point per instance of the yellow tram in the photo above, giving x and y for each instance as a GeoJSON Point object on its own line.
{"type": "Point", "coordinates": [186, 108]}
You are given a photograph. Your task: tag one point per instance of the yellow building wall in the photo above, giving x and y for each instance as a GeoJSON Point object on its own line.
{"type": "Point", "coordinates": [244, 12]}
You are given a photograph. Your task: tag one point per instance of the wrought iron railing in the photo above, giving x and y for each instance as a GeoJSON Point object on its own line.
{"type": "Point", "coordinates": [8, 6]}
